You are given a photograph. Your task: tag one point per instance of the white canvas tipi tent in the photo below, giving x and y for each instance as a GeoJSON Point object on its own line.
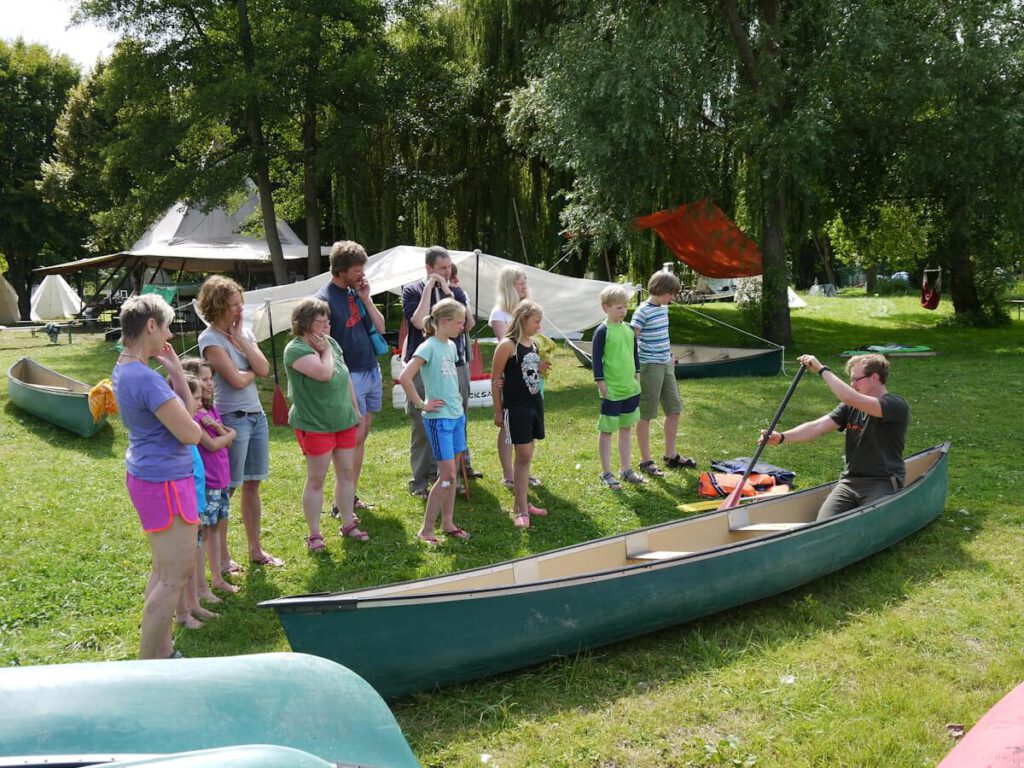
{"type": "Point", "coordinates": [570, 304]}
{"type": "Point", "coordinates": [9, 312]}
{"type": "Point", "coordinates": [54, 299]}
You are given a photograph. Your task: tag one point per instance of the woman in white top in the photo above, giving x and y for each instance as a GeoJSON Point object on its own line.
{"type": "Point", "coordinates": [511, 289]}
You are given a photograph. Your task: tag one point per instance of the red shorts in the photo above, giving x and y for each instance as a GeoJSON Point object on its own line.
{"type": "Point", "coordinates": [319, 443]}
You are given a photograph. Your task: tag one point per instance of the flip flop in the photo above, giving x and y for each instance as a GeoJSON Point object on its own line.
{"type": "Point", "coordinates": [231, 567]}
{"type": "Point", "coordinates": [352, 531]}
{"type": "Point", "coordinates": [267, 560]}
{"type": "Point", "coordinates": [536, 510]}
{"type": "Point", "coordinates": [521, 521]}
{"type": "Point", "coordinates": [430, 541]}
{"type": "Point", "coordinates": [458, 533]}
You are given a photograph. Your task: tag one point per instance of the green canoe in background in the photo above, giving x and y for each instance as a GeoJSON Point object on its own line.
{"type": "Point", "coordinates": [418, 635]}
{"type": "Point", "coordinates": [134, 710]}
{"type": "Point", "coordinates": [694, 361]}
{"type": "Point", "coordinates": [52, 396]}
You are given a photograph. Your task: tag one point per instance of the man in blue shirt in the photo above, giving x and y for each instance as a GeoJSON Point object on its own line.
{"type": "Point", "coordinates": [353, 314]}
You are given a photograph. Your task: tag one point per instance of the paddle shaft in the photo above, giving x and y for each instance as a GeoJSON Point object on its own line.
{"type": "Point", "coordinates": [273, 350]}
{"type": "Point", "coordinates": [734, 497]}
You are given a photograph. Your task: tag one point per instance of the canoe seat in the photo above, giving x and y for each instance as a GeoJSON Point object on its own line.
{"type": "Point", "coordinates": [770, 527]}
{"type": "Point", "coordinates": [658, 554]}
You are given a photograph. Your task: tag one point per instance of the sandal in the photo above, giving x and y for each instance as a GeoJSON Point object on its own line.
{"type": "Point", "coordinates": [609, 479]}
{"type": "Point", "coordinates": [352, 531]}
{"type": "Point", "coordinates": [458, 533]}
{"type": "Point", "coordinates": [474, 473]}
{"type": "Point", "coordinates": [360, 504]}
{"type": "Point", "coordinates": [629, 476]}
{"type": "Point", "coordinates": [315, 543]}
{"type": "Point", "coordinates": [336, 513]}
{"type": "Point", "coordinates": [650, 468]}
{"type": "Point", "coordinates": [231, 567]}
{"type": "Point", "coordinates": [268, 560]}
{"type": "Point", "coordinates": [430, 541]}
{"type": "Point", "coordinates": [521, 521]}
{"type": "Point", "coordinates": [510, 484]}
{"type": "Point", "coordinates": [536, 510]}
{"type": "Point", "coordinates": [679, 462]}
{"type": "Point", "coordinates": [535, 482]}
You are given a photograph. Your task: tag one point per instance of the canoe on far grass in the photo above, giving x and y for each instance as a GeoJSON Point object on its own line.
{"type": "Point", "coordinates": [997, 740]}
{"type": "Point", "coordinates": [702, 362]}
{"type": "Point", "coordinates": [418, 635]}
{"type": "Point", "coordinates": [52, 396]}
{"type": "Point", "coordinates": [144, 710]}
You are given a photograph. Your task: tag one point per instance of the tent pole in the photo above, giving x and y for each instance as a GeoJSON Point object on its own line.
{"type": "Point", "coordinates": [476, 294]}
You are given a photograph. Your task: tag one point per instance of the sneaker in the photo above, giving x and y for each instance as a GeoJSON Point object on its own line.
{"type": "Point", "coordinates": [419, 493]}
{"type": "Point", "coordinates": [609, 479]}
{"type": "Point", "coordinates": [629, 476]}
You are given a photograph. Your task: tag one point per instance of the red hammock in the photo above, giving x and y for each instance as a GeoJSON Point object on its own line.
{"type": "Point", "coordinates": [930, 296]}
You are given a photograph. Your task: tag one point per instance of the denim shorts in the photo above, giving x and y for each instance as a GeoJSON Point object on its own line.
{"type": "Point", "coordinates": [369, 389]}
{"type": "Point", "coordinates": [249, 454]}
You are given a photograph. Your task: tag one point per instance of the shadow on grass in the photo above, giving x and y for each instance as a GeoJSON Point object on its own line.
{"type": "Point", "coordinates": [100, 445]}
{"type": "Point", "coordinates": [591, 680]}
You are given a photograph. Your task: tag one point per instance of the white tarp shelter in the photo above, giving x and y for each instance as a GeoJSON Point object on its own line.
{"type": "Point", "coordinates": [9, 312]}
{"type": "Point", "coordinates": [54, 299]}
{"type": "Point", "coordinates": [570, 304]}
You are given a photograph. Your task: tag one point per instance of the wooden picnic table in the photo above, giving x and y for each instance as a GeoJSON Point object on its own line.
{"type": "Point", "coordinates": [1018, 303]}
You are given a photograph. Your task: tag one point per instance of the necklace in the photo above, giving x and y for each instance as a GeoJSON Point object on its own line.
{"type": "Point", "coordinates": [134, 357]}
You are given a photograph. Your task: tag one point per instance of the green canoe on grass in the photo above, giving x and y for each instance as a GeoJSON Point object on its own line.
{"type": "Point", "coordinates": [84, 714]}
{"type": "Point", "coordinates": [702, 362]}
{"type": "Point", "coordinates": [52, 396]}
{"type": "Point", "coordinates": [418, 635]}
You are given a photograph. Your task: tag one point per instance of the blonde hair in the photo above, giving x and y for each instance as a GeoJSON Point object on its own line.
{"type": "Point", "coordinates": [136, 312]}
{"type": "Point", "coordinates": [873, 363]}
{"type": "Point", "coordinates": [525, 309]}
{"type": "Point", "coordinates": [446, 309]}
{"type": "Point", "coordinates": [305, 312]}
{"type": "Point", "coordinates": [615, 294]}
{"type": "Point", "coordinates": [505, 289]}
{"type": "Point", "coordinates": [215, 296]}
{"type": "Point", "coordinates": [192, 366]}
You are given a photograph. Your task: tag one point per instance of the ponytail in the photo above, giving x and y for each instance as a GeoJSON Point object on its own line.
{"type": "Point", "coordinates": [429, 326]}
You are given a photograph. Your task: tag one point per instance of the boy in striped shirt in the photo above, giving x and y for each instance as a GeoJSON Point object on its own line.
{"type": "Point", "coordinates": [657, 374]}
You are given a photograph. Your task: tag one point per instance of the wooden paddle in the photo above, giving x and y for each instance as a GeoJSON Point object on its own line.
{"type": "Point", "coordinates": [733, 499]}
{"type": "Point", "coordinates": [279, 411]}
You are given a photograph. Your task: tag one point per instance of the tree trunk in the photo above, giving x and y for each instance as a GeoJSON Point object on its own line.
{"type": "Point", "coordinates": [870, 274]}
{"type": "Point", "coordinates": [309, 149]}
{"type": "Point", "coordinates": [261, 164]}
{"type": "Point", "coordinates": [20, 276]}
{"type": "Point", "coordinates": [774, 290]}
{"type": "Point", "coordinates": [962, 288]}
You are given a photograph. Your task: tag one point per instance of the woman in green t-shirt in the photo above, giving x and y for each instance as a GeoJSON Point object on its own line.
{"type": "Point", "coordinates": [325, 416]}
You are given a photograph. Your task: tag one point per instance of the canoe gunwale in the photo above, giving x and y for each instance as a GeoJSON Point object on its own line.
{"type": "Point", "coordinates": [63, 403]}
{"type": "Point", "coordinates": [335, 601]}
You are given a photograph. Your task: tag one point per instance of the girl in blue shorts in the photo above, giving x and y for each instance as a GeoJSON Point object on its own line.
{"type": "Point", "coordinates": [443, 417]}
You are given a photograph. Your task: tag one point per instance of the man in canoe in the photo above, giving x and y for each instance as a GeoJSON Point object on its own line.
{"type": "Point", "coordinates": [875, 421]}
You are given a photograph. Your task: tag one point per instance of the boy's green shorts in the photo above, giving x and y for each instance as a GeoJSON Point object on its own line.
{"type": "Point", "coordinates": [658, 385]}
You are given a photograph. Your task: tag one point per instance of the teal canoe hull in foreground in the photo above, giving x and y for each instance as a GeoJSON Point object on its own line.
{"type": "Point", "coordinates": [145, 710]}
{"type": "Point", "coordinates": [422, 634]}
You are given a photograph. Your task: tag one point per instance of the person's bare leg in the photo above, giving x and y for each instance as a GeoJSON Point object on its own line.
{"type": "Point", "coordinates": [252, 515]}
{"type": "Point", "coordinates": [214, 552]}
{"type": "Point", "coordinates": [521, 473]}
{"type": "Point", "coordinates": [643, 439]}
{"type": "Point", "coordinates": [226, 563]}
{"type": "Point", "coordinates": [446, 479]}
{"type": "Point", "coordinates": [625, 448]}
{"type": "Point", "coordinates": [671, 433]}
{"type": "Point", "coordinates": [604, 450]}
{"type": "Point", "coordinates": [359, 453]}
{"type": "Point", "coordinates": [345, 488]}
{"type": "Point", "coordinates": [205, 594]}
{"type": "Point", "coordinates": [172, 566]}
{"type": "Point", "coordinates": [313, 490]}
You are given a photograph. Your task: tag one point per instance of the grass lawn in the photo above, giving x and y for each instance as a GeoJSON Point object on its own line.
{"type": "Point", "coordinates": [862, 668]}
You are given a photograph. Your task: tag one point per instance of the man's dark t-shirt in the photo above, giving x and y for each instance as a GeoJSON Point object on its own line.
{"type": "Point", "coordinates": [348, 328]}
{"type": "Point", "coordinates": [874, 446]}
{"type": "Point", "coordinates": [411, 296]}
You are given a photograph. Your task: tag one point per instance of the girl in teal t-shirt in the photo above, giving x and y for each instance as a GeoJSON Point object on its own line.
{"type": "Point", "coordinates": [325, 416]}
{"type": "Point", "coordinates": [443, 419]}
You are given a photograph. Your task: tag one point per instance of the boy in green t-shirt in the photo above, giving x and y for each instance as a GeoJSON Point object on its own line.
{"type": "Point", "coordinates": [617, 373]}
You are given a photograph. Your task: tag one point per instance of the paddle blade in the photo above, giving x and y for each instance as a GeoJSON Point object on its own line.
{"type": "Point", "coordinates": [279, 413]}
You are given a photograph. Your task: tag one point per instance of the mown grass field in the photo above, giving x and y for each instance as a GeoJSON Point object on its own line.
{"type": "Point", "coordinates": [863, 668]}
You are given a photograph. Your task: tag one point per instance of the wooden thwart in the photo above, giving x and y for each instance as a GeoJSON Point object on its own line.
{"type": "Point", "coordinates": [658, 554]}
{"type": "Point", "coordinates": [768, 527]}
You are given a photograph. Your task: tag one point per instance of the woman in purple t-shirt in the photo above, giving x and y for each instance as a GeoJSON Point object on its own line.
{"type": "Point", "coordinates": [159, 462]}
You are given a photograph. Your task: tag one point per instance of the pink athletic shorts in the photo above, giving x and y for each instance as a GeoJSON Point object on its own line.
{"type": "Point", "coordinates": [158, 503]}
{"type": "Point", "coordinates": [319, 443]}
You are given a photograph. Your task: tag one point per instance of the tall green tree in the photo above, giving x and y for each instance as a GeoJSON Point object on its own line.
{"type": "Point", "coordinates": [34, 86]}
